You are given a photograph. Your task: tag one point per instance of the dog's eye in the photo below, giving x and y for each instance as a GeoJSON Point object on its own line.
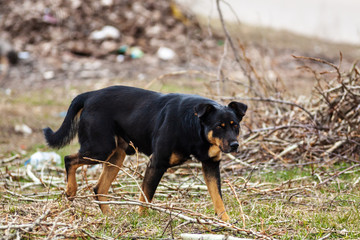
{"type": "Point", "coordinates": [232, 123]}
{"type": "Point", "coordinates": [221, 126]}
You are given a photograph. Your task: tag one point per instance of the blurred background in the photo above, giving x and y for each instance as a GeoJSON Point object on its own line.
{"type": "Point", "coordinates": [294, 63]}
{"type": "Point", "coordinates": [54, 49]}
{"type": "Point", "coordinates": [332, 20]}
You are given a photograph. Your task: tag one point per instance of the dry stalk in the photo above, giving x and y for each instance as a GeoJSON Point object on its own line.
{"type": "Point", "coordinates": [199, 218]}
{"type": "Point", "coordinates": [232, 45]}
{"type": "Point", "coordinates": [238, 200]}
{"type": "Point", "coordinates": [272, 100]}
{"type": "Point", "coordinates": [337, 175]}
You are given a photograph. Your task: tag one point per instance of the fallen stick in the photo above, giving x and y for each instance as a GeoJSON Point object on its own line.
{"type": "Point", "coordinates": [289, 149]}
{"type": "Point", "coordinates": [337, 174]}
{"type": "Point", "coordinates": [32, 175]}
{"type": "Point", "coordinates": [10, 159]}
{"type": "Point", "coordinates": [29, 226]}
{"type": "Point", "coordinates": [238, 160]}
{"type": "Point", "coordinates": [334, 147]}
{"type": "Point", "coordinates": [190, 236]}
{"type": "Point", "coordinates": [204, 220]}
{"type": "Point", "coordinates": [273, 100]}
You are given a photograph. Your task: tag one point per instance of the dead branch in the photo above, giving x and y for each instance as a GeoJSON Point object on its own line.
{"type": "Point", "coordinates": [232, 45]}
{"type": "Point", "coordinates": [199, 218]}
{"type": "Point", "coordinates": [337, 175]}
{"type": "Point", "coordinates": [272, 100]}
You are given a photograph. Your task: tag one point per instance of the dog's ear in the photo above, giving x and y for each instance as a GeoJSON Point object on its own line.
{"type": "Point", "coordinates": [203, 109]}
{"type": "Point", "coordinates": [239, 109]}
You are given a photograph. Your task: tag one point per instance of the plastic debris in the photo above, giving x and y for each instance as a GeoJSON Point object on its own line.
{"type": "Point", "coordinates": [23, 128]}
{"type": "Point", "coordinates": [23, 55]}
{"type": "Point", "coordinates": [48, 18]}
{"type": "Point", "coordinates": [8, 92]}
{"type": "Point", "coordinates": [107, 3]}
{"type": "Point", "coordinates": [123, 49]}
{"type": "Point", "coordinates": [136, 52]}
{"type": "Point", "coordinates": [120, 58]}
{"type": "Point", "coordinates": [48, 75]}
{"type": "Point", "coordinates": [107, 32]}
{"type": "Point", "coordinates": [39, 159]}
{"type": "Point", "coordinates": [165, 53]}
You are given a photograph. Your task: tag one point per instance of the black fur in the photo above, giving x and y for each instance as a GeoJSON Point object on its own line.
{"type": "Point", "coordinates": [69, 128]}
{"type": "Point", "coordinates": [13, 57]}
{"type": "Point", "coordinates": [157, 124]}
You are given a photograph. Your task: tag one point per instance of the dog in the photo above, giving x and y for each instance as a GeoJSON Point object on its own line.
{"type": "Point", "coordinates": [168, 127]}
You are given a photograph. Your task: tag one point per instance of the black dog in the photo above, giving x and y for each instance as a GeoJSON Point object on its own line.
{"type": "Point", "coordinates": [169, 127]}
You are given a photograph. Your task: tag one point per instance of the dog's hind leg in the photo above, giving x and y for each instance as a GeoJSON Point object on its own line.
{"type": "Point", "coordinates": [73, 162]}
{"type": "Point", "coordinates": [108, 175]}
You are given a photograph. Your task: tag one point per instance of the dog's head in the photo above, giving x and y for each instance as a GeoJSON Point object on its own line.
{"type": "Point", "coordinates": [221, 124]}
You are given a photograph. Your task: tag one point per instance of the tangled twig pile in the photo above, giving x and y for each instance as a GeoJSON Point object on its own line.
{"type": "Point", "coordinates": [324, 129]}
{"type": "Point", "coordinates": [338, 110]}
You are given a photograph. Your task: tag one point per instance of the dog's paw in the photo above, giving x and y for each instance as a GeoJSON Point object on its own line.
{"type": "Point", "coordinates": [105, 209]}
{"type": "Point", "coordinates": [224, 217]}
{"type": "Point", "coordinates": [142, 210]}
{"type": "Point", "coordinates": [70, 195]}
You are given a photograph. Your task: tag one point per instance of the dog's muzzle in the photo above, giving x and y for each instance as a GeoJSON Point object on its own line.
{"type": "Point", "coordinates": [234, 146]}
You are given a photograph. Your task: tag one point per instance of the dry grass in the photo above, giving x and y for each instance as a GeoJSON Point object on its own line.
{"type": "Point", "coordinates": [296, 175]}
{"type": "Point", "coordinates": [281, 202]}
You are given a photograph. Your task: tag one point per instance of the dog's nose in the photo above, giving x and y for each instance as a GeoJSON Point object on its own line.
{"type": "Point", "coordinates": [234, 146]}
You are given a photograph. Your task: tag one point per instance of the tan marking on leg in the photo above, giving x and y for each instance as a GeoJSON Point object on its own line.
{"type": "Point", "coordinates": [216, 198]}
{"type": "Point", "coordinates": [71, 186]}
{"type": "Point", "coordinates": [121, 143]}
{"type": "Point", "coordinates": [5, 67]}
{"type": "Point", "coordinates": [141, 209]}
{"type": "Point", "coordinates": [175, 159]}
{"type": "Point", "coordinates": [214, 153]}
{"type": "Point", "coordinates": [107, 176]}
{"type": "Point", "coordinates": [144, 197]}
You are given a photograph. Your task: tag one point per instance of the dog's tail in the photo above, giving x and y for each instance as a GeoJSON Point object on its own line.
{"type": "Point", "coordinates": [69, 127]}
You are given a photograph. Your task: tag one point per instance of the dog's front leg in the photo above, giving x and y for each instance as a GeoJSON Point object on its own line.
{"type": "Point", "coordinates": [151, 180]}
{"type": "Point", "coordinates": [211, 172]}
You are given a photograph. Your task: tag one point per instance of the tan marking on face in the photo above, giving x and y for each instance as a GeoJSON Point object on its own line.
{"type": "Point", "coordinates": [231, 122]}
{"type": "Point", "coordinates": [175, 159]}
{"type": "Point", "coordinates": [213, 140]}
{"type": "Point", "coordinates": [216, 198]}
{"type": "Point", "coordinates": [214, 152]}
{"type": "Point", "coordinates": [223, 124]}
